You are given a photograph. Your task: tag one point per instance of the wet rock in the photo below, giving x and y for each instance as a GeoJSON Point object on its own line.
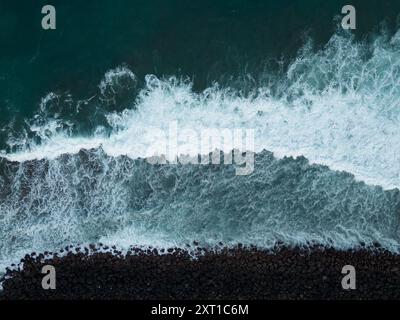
{"type": "Point", "coordinates": [242, 272]}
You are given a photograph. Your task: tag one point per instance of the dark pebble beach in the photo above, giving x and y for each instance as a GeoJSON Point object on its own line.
{"type": "Point", "coordinates": [239, 273]}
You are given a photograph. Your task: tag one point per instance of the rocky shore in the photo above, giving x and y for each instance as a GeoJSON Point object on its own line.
{"type": "Point", "coordinates": [99, 272]}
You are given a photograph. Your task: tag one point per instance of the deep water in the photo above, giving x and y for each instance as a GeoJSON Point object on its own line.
{"type": "Point", "coordinates": [230, 41]}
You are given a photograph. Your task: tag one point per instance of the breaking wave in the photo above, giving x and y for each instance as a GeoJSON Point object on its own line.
{"type": "Point", "coordinates": [338, 106]}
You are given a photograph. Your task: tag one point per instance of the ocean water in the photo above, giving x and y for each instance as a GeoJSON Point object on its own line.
{"type": "Point", "coordinates": [81, 106]}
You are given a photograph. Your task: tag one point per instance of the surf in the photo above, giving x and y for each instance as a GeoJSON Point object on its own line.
{"type": "Point", "coordinates": [337, 106]}
{"type": "Point", "coordinates": [330, 124]}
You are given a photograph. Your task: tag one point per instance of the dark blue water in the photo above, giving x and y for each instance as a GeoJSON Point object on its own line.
{"type": "Point", "coordinates": [206, 41]}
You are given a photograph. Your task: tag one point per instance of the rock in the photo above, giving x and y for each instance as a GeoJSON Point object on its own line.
{"type": "Point", "coordinates": [230, 273]}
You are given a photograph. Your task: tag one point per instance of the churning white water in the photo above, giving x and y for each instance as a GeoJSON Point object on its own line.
{"type": "Point", "coordinates": [338, 106]}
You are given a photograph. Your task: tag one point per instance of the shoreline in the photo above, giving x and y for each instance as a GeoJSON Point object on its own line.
{"type": "Point", "coordinates": [233, 274]}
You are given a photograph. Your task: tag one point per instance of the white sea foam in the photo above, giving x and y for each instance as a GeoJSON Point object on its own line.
{"type": "Point", "coordinates": [340, 107]}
